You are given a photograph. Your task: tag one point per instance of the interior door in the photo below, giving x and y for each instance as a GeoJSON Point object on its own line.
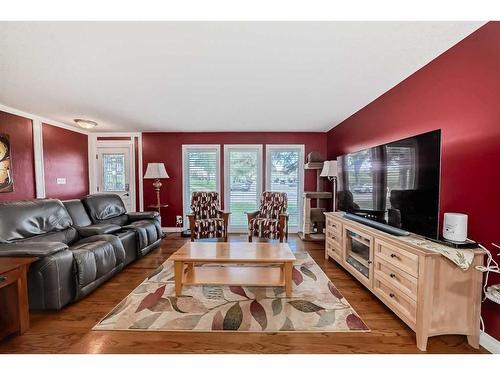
{"type": "Point", "coordinates": [114, 173]}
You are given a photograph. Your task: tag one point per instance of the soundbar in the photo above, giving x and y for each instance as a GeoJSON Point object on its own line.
{"type": "Point", "coordinates": [375, 224]}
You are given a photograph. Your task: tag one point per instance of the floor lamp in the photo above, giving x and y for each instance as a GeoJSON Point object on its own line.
{"type": "Point", "coordinates": [330, 171]}
{"type": "Point", "coordinates": [156, 171]}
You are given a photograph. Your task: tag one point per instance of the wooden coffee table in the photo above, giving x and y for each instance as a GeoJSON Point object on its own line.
{"type": "Point", "coordinates": [272, 264]}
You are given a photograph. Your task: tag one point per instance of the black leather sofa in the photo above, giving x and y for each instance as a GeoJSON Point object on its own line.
{"type": "Point", "coordinates": [77, 254]}
{"type": "Point", "coordinates": [109, 209]}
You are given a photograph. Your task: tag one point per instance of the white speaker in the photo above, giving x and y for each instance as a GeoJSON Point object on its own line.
{"type": "Point", "coordinates": [455, 227]}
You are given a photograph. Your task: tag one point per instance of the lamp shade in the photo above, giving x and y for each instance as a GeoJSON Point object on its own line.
{"type": "Point", "coordinates": [156, 170]}
{"type": "Point", "coordinates": [329, 169]}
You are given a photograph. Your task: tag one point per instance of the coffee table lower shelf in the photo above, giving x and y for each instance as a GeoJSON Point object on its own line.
{"type": "Point", "coordinates": [248, 276]}
{"type": "Point", "coordinates": [234, 275]}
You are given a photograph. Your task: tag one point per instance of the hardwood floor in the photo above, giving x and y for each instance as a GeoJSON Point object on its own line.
{"type": "Point", "coordinates": [70, 330]}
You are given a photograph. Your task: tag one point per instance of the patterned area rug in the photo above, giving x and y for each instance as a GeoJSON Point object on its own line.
{"type": "Point", "coordinates": [316, 305]}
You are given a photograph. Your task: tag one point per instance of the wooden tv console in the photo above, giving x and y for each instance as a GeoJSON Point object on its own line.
{"type": "Point", "coordinates": [429, 292]}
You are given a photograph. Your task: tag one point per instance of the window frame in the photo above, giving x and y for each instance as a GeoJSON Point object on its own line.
{"type": "Point", "coordinates": [260, 177]}
{"type": "Point", "coordinates": [185, 194]}
{"type": "Point", "coordinates": [301, 175]}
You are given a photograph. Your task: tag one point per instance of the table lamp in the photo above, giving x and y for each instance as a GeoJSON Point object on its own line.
{"type": "Point", "coordinates": [156, 171]}
{"type": "Point", "coordinates": [330, 171]}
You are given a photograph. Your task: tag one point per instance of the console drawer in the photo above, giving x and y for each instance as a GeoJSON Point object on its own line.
{"type": "Point", "coordinates": [399, 302]}
{"type": "Point", "coordinates": [334, 237]}
{"type": "Point", "coordinates": [396, 278]}
{"type": "Point", "coordinates": [333, 249]}
{"type": "Point", "coordinates": [333, 226]}
{"type": "Point", "coordinates": [404, 260]}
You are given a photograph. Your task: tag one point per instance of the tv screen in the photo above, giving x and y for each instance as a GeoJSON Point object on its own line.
{"type": "Point", "coordinates": [395, 184]}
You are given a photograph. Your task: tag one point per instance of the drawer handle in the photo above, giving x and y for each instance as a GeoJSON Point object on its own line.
{"type": "Point", "coordinates": [392, 275]}
{"type": "Point", "coordinates": [392, 295]}
{"type": "Point", "coordinates": [3, 278]}
{"type": "Point", "coordinates": [394, 256]}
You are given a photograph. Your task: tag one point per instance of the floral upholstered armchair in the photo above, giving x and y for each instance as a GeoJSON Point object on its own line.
{"type": "Point", "coordinates": [271, 221]}
{"type": "Point", "coordinates": [206, 219]}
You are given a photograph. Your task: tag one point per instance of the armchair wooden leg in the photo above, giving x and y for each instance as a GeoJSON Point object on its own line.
{"type": "Point", "coordinates": [249, 238]}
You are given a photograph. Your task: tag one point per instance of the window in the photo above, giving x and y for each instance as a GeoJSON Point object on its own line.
{"type": "Point", "coordinates": [243, 182]}
{"type": "Point", "coordinates": [285, 173]}
{"type": "Point", "coordinates": [200, 172]}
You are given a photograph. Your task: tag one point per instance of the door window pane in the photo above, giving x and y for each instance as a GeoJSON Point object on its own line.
{"type": "Point", "coordinates": [284, 166]}
{"type": "Point", "coordinates": [113, 178]}
{"type": "Point", "coordinates": [242, 181]}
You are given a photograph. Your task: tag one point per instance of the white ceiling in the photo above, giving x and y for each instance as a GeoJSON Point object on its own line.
{"type": "Point", "coordinates": [212, 76]}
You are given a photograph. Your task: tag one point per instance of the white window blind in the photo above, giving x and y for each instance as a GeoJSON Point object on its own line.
{"type": "Point", "coordinates": [201, 171]}
{"type": "Point", "coordinates": [401, 169]}
{"type": "Point", "coordinates": [285, 173]}
{"type": "Point", "coordinates": [242, 180]}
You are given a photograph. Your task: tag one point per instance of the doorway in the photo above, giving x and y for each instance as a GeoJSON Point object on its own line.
{"type": "Point", "coordinates": [115, 170]}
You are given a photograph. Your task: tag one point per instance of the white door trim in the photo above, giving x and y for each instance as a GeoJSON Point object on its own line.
{"type": "Point", "coordinates": [260, 177]}
{"type": "Point", "coordinates": [267, 185]}
{"type": "Point", "coordinates": [94, 145]}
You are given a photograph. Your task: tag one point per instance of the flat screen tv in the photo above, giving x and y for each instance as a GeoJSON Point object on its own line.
{"type": "Point", "coordinates": [395, 184]}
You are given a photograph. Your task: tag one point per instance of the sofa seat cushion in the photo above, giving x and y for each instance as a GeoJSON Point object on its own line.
{"type": "Point", "coordinates": [93, 260]}
{"type": "Point", "coordinates": [264, 228]}
{"type": "Point", "coordinates": [209, 228]}
{"type": "Point", "coordinates": [147, 232]}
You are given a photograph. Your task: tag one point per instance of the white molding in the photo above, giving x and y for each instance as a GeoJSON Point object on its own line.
{"type": "Point", "coordinates": [489, 343]}
{"type": "Point", "coordinates": [171, 229]}
{"type": "Point", "coordinates": [92, 150]}
{"type": "Point", "coordinates": [38, 158]}
{"type": "Point", "coordinates": [42, 119]}
{"type": "Point", "coordinates": [140, 169]}
{"type": "Point", "coordinates": [116, 134]}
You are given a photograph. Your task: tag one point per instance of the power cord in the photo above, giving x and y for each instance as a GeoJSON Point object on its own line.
{"type": "Point", "coordinates": [491, 266]}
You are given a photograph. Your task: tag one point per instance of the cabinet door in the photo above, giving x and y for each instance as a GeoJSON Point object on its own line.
{"type": "Point", "coordinates": [358, 254]}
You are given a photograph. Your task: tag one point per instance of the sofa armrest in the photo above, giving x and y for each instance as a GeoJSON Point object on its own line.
{"type": "Point", "coordinates": [31, 249]}
{"type": "Point", "coordinates": [148, 215]}
{"type": "Point", "coordinates": [93, 230]}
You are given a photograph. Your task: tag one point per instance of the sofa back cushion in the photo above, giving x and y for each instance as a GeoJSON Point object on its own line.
{"type": "Point", "coordinates": [77, 212]}
{"type": "Point", "coordinates": [40, 218]}
{"type": "Point", "coordinates": [106, 208]}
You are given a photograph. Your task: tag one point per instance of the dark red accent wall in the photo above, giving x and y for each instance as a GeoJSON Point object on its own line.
{"type": "Point", "coordinates": [65, 154]}
{"type": "Point", "coordinates": [459, 93]}
{"type": "Point", "coordinates": [20, 131]}
{"type": "Point", "coordinates": [167, 148]}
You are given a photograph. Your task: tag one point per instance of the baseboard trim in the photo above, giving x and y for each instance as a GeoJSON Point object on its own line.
{"type": "Point", "coordinates": [489, 343]}
{"type": "Point", "coordinates": [171, 229]}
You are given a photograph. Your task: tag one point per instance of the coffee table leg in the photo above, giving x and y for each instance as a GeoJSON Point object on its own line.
{"type": "Point", "coordinates": [288, 278]}
{"type": "Point", "coordinates": [178, 270]}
